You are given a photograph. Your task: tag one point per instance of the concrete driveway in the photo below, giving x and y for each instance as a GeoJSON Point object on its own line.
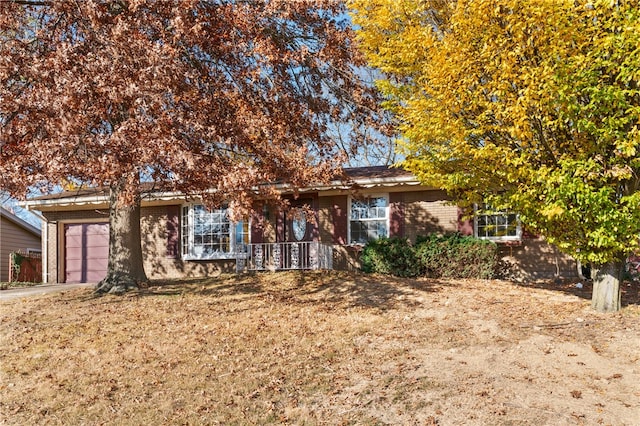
{"type": "Point", "coordinates": [17, 293]}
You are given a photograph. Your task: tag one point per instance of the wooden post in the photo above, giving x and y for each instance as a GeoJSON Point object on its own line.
{"type": "Point", "coordinates": [11, 267]}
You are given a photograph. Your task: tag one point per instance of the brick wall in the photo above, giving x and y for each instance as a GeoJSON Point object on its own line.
{"type": "Point", "coordinates": [332, 218]}
{"type": "Point", "coordinates": [534, 259]}
{"type": "Point", "coordinates": [427, 212]}
{"type": "Point", "coordinates": [52, 253]}
{"type": "Point", "coordinates": [332, 223]}
{"type": "Point", "coordinates": [422, 212]}
{"type": "Point", "coordinates": [158, 263]}
{"type": "Point", "coordinates": [412, 213]}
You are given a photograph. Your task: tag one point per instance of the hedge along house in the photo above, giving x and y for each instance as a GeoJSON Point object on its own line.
{"type": "Point", "coordinates": [180, 238]}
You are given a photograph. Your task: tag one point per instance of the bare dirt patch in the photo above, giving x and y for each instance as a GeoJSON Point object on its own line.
{"type": "Point", "coordinates": [321, 348]}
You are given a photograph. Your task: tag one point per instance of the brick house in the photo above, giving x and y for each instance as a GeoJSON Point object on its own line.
{"type": "Point", "coordinates": [182, 239]}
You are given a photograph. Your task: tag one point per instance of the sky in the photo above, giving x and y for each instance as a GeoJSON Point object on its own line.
{"type": "Point", "coordinates": [11, 204]}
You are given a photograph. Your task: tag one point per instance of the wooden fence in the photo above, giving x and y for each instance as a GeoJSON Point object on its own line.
{"type": "Point", "coordinates": [25, 267]}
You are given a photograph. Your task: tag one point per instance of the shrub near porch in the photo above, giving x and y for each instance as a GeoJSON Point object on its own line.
{"type": "Point", "coordinates": [436, 256]}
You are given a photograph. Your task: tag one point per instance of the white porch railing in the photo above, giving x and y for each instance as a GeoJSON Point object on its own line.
{"type": "Point", "coordinates": [284, 256]}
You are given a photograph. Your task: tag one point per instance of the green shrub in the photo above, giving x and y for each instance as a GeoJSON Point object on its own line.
{"type": "Point", "coordinates": [456, 256]}
{"type": "Point", "coordinates": [446, 256]}
{"type": "Point", "coordinates": [391, 256]}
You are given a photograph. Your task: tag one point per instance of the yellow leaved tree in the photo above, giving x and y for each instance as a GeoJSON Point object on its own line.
{"type": "Point", "coordinates": [529, 106]}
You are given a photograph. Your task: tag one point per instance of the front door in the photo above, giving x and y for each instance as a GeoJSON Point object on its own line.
{"type": "Point", "coordinates": [297, 229]}
{"type": "Point", "coordinates": [299, 223]}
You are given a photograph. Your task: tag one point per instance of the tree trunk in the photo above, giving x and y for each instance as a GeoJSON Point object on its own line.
{"type": "Point", "coordinates": [125, 270]}
{"type": "Point", "coordinates": [606, 287]}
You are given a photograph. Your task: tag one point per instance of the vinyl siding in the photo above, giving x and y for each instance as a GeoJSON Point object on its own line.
{"type": "Point", "coordinates": [12, 238]}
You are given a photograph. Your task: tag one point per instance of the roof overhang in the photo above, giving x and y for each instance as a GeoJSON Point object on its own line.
{"type": "Point", "coordinates": [362, 183]}
{"type": "Point", "coordinates": [99, 199]}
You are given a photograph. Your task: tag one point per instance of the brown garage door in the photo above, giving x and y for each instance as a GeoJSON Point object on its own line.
{"type": "Point", "coordinates": [86, 252]}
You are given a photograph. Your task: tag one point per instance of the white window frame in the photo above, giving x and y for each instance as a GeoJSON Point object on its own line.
{"type": "Point", "coordinates": [188, 248]}
{"type": "Point", "coordinates": [386, 217]}
{"type": "Point", "coordinates": [490, 212]}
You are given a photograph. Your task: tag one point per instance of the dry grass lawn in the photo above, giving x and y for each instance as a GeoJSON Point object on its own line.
{"type": "Point", "coordinates": [320, 348]}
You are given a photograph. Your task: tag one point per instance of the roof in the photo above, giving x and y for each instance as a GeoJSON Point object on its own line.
{"type": "Point", "coordinates": [6, 214]}
{"type": "Point", "coordinates": [377, 172]}
{"type": "Point", "coordinates": [85, 192]}
{"type": "Point", "coordinates": [357, 177]}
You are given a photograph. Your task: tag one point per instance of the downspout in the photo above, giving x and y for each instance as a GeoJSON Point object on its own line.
{"type": "Point", "coordinates": [45, 250]}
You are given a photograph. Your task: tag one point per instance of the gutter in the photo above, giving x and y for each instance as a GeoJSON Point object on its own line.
{"type": "Point", "coordinates": [355, 183]}
{"type": "Point", "coordinates": [102, 199]}
{"type": "Point", "coordinates": [94, 200]}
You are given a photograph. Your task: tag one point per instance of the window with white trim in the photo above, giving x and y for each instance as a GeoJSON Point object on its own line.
{"type": "Point", "coordinates": [368, 219]}
{"type": "Point", "coordinates": [496, 225]}
{"type": "Point", "coordinates": [209, 234]}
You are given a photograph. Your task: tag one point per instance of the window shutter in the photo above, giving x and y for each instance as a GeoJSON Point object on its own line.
{"type": "Point", "coordinates": [396, 214]}
{"type": "Point", "coordinates": [340, 218]}
{"type": "Point", "coordinates": [258, 219]}
{"type": "Point", "coordinates": [173, 231]}
{"type": "Point", "coordinates": [465, 224]}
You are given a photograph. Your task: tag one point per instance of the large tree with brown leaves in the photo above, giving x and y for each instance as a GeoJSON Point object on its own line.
{"type": "Point", "coordinates": [191, 94]}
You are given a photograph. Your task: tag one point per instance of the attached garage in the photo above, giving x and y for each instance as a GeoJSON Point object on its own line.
{"type": "Point", "coordinates": [86, 248]}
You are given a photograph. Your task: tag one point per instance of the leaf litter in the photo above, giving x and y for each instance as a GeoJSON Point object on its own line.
{"type": "Point", "coordinates": [320, 348]}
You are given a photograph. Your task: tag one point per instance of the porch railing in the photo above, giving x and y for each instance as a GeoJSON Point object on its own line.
{"type": "Point", "coordinates": [284, 256]}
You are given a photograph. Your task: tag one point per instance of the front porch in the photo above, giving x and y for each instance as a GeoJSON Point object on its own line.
{"type": "Point", "coordinates": [284, 256]}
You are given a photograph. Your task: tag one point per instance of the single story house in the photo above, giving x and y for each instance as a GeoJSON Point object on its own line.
{"type": "Point", "coordinates": [180, 238]}
{"type": "Point", "coordinates": [15, 235]}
